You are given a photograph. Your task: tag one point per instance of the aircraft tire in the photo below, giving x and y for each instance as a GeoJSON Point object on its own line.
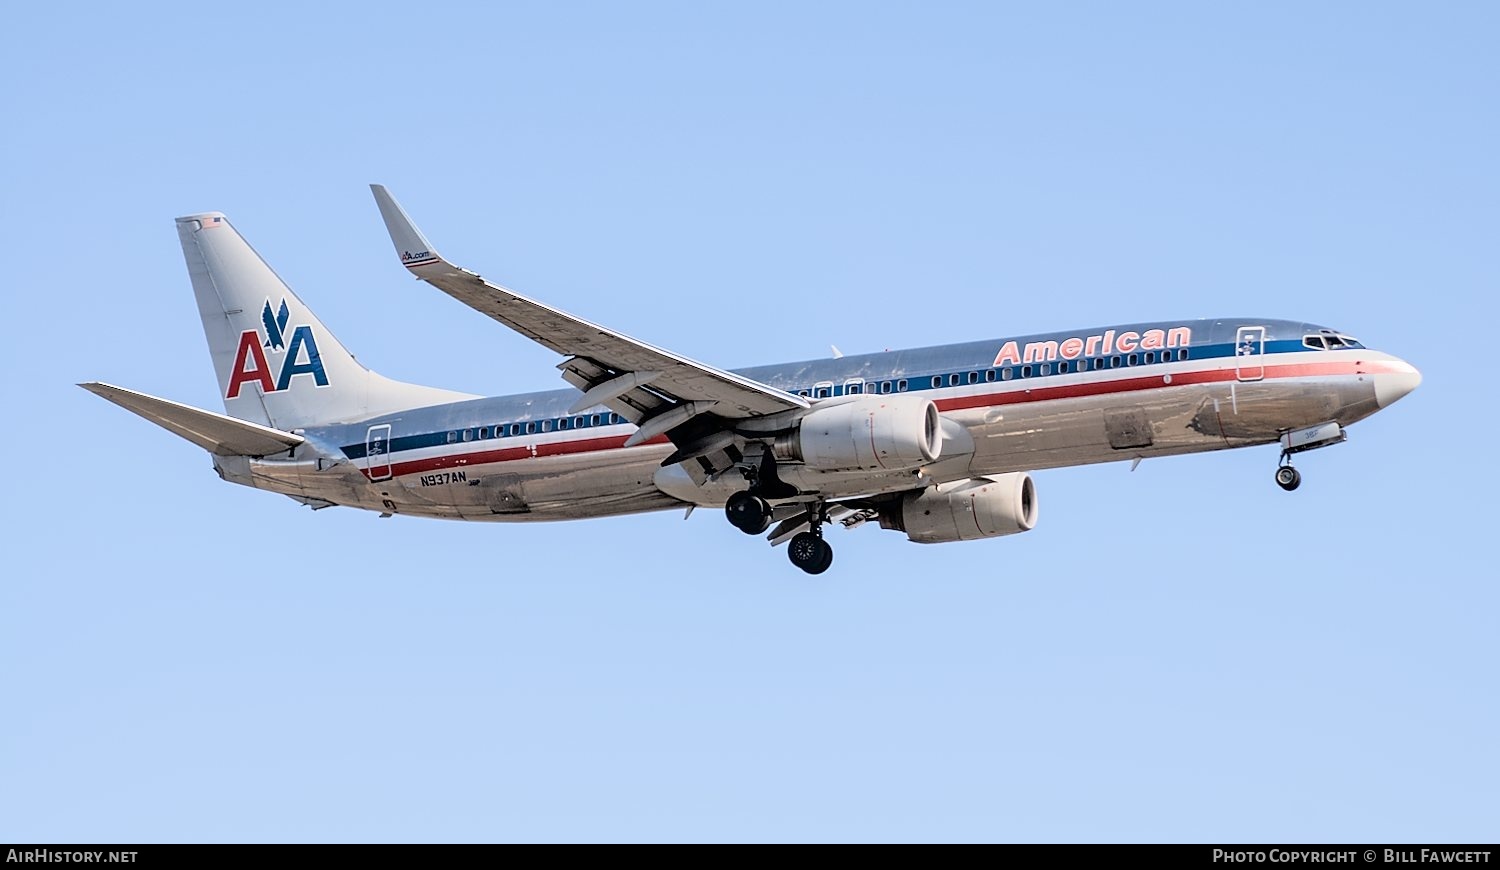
{"type": "Point", "coordinates": [810, 553]}
{"type": "Point", "coordinates": [750, 514]}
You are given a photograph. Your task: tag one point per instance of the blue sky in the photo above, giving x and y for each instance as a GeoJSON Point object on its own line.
{"type": "Point", "coordinates": [1181, 653]}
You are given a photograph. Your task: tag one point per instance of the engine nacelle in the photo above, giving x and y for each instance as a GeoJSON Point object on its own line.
{"type": "Point", "coordinates": [966, 510]}
{"type": "Point", "coordinates": [873, 433]}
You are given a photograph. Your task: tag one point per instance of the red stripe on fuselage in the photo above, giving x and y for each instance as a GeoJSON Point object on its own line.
{"type": "Point", "coordinates": [1010, 397]}
{"type": "Point", "coordinates": [1179, 379]}
{"type": "Point", "coordinates": [510, 454]}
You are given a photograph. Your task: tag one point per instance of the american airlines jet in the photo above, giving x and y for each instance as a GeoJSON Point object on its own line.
{"type": "Point", "coordinates": [934, 443]}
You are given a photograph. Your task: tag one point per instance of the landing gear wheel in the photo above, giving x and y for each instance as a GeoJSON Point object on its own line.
{"type": "Point", "coordinates": [750, 514]}
{"type": "Point", "coordinates": [810, 553]}
{"type": "Point", "coordinates": [1288, 478]}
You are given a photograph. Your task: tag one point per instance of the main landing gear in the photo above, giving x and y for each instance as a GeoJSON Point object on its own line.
{"type": "Point", "coordinates": [809, 551]}
{"type": "Point", "coordinates": [751, 514]}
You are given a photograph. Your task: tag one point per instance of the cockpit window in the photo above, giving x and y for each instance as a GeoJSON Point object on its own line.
{"type": "Point", "coordinates": [1327, 339]}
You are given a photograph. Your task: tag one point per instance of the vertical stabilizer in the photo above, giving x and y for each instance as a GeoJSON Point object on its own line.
{"type": "Point", "coordinates": [278, 365]}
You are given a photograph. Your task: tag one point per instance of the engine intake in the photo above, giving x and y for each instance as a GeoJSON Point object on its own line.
{"type": "Point", "coordinates": [966, 510]}
{"type": "Point", "coordinates": [875, 433]}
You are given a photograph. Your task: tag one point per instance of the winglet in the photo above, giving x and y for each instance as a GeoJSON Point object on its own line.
{"type": "Point", "coordinates": [411, 246]}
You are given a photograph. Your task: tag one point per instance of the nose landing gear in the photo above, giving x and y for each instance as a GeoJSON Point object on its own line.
{"type": "Point", "coordinates": [1298, 440]}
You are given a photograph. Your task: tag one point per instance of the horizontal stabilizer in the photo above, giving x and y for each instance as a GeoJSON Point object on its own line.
{"type": "Point", "coordinates": [216, 433]}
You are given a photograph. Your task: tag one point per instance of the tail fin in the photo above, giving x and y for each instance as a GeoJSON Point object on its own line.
{"type": "Point", "coordinates": [277, 364]}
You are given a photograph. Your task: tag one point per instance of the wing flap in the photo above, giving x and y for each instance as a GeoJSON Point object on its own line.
{"type": "Point", "coordinates": [216, 433]}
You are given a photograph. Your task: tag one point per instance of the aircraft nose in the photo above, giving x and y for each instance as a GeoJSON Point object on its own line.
{"type": "Point", "coordinates": [1392, 385]}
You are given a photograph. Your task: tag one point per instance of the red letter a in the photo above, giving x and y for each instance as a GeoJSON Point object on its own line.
{"type": "Point", "coordinates": [259, 373]}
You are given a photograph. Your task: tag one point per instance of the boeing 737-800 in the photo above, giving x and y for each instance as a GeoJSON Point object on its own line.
{"type": "Point", "coordinates": [934, 442]}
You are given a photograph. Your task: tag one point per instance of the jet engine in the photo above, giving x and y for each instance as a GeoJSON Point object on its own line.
{"type": "Point", "coordinates": [873, 433]}
{"type": "Point", "coordinates": [965, 510]}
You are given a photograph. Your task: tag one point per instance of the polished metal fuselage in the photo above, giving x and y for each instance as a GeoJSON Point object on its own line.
{"type": "Point", "coordinates": [995, 422]}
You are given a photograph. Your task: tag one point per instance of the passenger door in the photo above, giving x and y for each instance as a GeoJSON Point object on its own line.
{"type": "Point", "coordinates": [1249, 353]}
{"type": "Point", "coordinates": [378, 452]}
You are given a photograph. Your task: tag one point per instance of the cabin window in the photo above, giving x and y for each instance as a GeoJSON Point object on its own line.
{"type": "Point", "coordinates": [885, 386]}
{"type": "Point", "coordinates": [853, 389]}
{"type": "Point", "coordinates": [1150, 357]}
{"type": "Point", "coordinates": [563, 423]}
{"type": "Point", "coordinates": [1182, 354]}
{"type": "Point", "coordinates": [973, 377]}
{"type": "Point", "coordinates": [452, 437]}
{"type": "Point", "coordinates": [901, 385]}
{"type": "Point", "coordinates": [937, 382]}
{"type": "Point", "coordinates": [578, 422]}
{"type": "Point", "coordinates": [468, 434]}
{"type": "Point", "coordinates": [823, 390]}
{"type": "Point", "coordinates": [1134, 358]}
{"type": "Point", "coordinates": [989, 376]}
{"type": "Point", "coordinates": [594, 420]}
{"type": "Point", "coordinates": [1098, 363]}
{"type": "Point", "coordinates": [953, 380]}
{"type": "Point", "coordinates": [1045, 369]}
{"type": "Point", "coordinates": [1062, 368]}
{"type": "Point", "coordinates": [1114, 362]}
{"type": "Point", "coordinates": [1025, 371]}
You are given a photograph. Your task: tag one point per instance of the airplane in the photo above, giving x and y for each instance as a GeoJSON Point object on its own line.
{"type": "Point", "coordinates": [935, 442]}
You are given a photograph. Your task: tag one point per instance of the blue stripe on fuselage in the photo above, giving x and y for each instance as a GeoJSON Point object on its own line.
{"type": "Point", "coordinates": [455, 420]}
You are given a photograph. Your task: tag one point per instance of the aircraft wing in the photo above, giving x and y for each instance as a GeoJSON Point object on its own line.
{"type": "Point", "coordinates": [654, 388]}
{"type": "Point", "coordinates": [216, 433]}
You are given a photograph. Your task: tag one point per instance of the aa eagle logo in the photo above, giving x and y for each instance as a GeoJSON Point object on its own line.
{"type": "Point", "coordinates": [299, 354]}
